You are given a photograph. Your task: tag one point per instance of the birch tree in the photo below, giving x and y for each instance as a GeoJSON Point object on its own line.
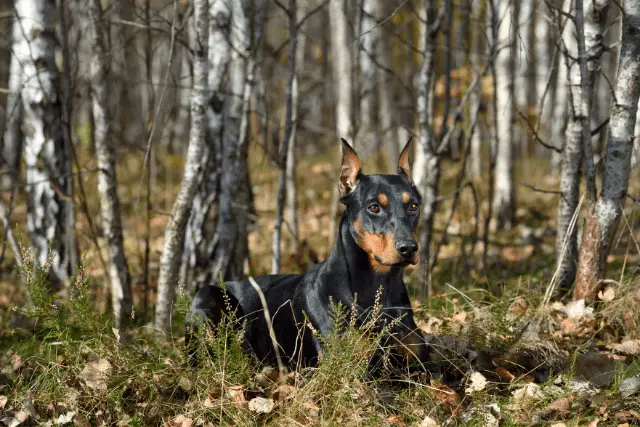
{"type": "Point", "coordinates": [12, 140]}
{"type": "Point", "coordinates": [174, 234]}
{"type": "Point", "coordinates": [288, 130]}
{"type": "Point", "coordinates": [475, 160]}
{"type": "Point", "coordinates": [602, 223]}
{"type": "Point", "coordinates": [504, 192]}
{"type": "Point", "coordinates": [368, 40]}
{"type": "Point", "coordinates": [291, 213]}
{"type": "Point", "coordinates": [199, 248]}
{"type": "Point", "coordinates": [427, 162]}
{"type": "Point", "coordinates": [235, 203]}
{"type": "Point", "coordinates": [107, 181]}
{"type": "Point", "coordinates": [47, 168]}
{"type": "Point", "coordinates": [342, 86]}
{"type": "Point", "coordinates": [578, 131]}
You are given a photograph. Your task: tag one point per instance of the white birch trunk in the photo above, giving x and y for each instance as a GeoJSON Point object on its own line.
{"type": "Point", "coordinates": [524, 56]}
{"type": "Point", "coordinates": [427, 161]}
{"type": "Point", "coordinates": [12, 142]}
{"type": "Point", "coordinates": [504, 193]}
{"type": "Point", "coordinates": [342, 86]}
{"type": "Point", "coordinates": [199, 247]}
{"type": "Point", "coordinates": [386, 112]}
{"type": "Point", "coordinates": [107, 181]}
{"type": "Point", "coordinates": [573, 154]}
{"type": "Point", "coordinates": [174, 234]}
{"type": "Point", "coordinates": [231, 249]}
{"type": "Point", "coordinates": [475, 101]}
{"type": "Point", "coordinates": [368, 68]}
{"type": "Point", "coordinates": [621, 136]}
{"type": "Point", "coordinates": [542, 52]}
{"type": "Point", "coordinates": [291, 212]}
{"type": "Point", "coordinates": [47, 167]}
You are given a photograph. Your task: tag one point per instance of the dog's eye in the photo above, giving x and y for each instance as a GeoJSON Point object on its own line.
{"type": "Point", "coordinates": [374, 208]}
{"type": "Point", "coordinates": [413, 207]}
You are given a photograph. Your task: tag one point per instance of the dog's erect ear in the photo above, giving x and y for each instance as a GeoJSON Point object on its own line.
{"type": "Point", "coordinates": [350, 169]}
{"type": "Point", "coordinates": [403, 161]}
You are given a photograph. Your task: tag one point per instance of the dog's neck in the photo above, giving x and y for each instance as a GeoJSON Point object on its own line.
{"type": "Point", "coordinates": [354, 264]}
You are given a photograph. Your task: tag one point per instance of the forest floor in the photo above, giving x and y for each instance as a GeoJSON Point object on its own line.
{"type": "Point", "coordinates": [554, 363]}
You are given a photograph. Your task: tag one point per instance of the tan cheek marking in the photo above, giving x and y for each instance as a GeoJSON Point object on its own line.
{"type": "Point", "coordinates": [376, 244]}
{"type": "Point", "coordinates": [406, 197]}
{"type": "Point", "coordinates": [383, 199]}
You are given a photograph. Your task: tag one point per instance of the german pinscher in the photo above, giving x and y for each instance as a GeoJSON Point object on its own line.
{"type": "Point", "coordinates": [376, 241]}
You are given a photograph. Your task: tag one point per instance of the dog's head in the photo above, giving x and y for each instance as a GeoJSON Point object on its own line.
{"type": "Point", "coordinates": [383, 211]}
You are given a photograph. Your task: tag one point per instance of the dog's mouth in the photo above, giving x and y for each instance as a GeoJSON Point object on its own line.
{"type": "Point", "coordinates": [401, 263]}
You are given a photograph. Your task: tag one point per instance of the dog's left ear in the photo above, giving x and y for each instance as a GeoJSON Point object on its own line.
{"type": "Point", "coordinates": [403, 161]}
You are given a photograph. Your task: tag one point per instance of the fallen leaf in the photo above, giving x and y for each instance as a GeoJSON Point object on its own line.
{"type": "Point", "coordinates": [94, 374]}
{"type": "Point", "coordinates": [476, 382]}
{"type": "Point", "coordinates": [261, 405]}
{"type": "Point", "coordinates": [16, 362]}
{"type": "Point", "coordinates": [505, 375]}
{"type": "Point", "coordinates": [560, 407]}
{"type": "Point", "coordinates": [66, 418]}
{"type": "Point", "coordinates": [3, 401]}
{"type": "Point", "coordinates": [519, 307]}
{"type": "Point", "coordinates": [17, 419]}
{"type": "Point", "coordinates": [429, 422]}
{"type": "Point", "coordinates": [529, 390]}
{"type": "Point", "coordinates": [629, 386]}
{"type": "Point", "coordinates": [448, 397]}
{"type": "Point", "coordinates": [577, 309]}
{"type": "Point", "coordinates": [594, 422]}
{"type": "Point", "coordinates": [396, 419]}
{"type": "Point", "coordinates": [182, 421]}
{"type": "Point", "coordinates": [607, 295]}
{"type": "Point", "coordinates": [237, 395]}
{"type": "Point", "coordinates": [629, 347]}
{"type": "Point", "coordinates": [313, 410]}
{"type": "Point", "coordinates": [283, 392]}
{"type": "Point", "coordinates": [627, 415]}
{"type": "Point", "coordinates": [623, 425]}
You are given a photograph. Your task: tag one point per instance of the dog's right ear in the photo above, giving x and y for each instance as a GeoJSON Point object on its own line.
{"type": "Point", "coordinates": [350, 170]}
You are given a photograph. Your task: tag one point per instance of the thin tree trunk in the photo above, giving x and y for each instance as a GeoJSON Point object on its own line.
{"type": "Point", "coordinates": [291, 212]}
{"type": "Point", "coordinates": [524, 84]}
{"type": "Point", "coordinates": [477, 24]}
{"type": "Point", "coordinates": [427, 163]}
{"type": "Point", "coordinates": [367, 58]}
{"type": "Point", "coordinates": [603, 221]}
{"type": "Point", "coordinates": [504, 194]}
{"type": "Point", "coordinates": [199, 241]}
{"type": "Point", "coordinates": [542, 67]}
{"type": "Point", "coordinates": [48, 169]}
{"type": "Point", "coordinates": [578, 133]}
{"type": "Point", "coordinates": [12, 141]}
{"type": "Point", "coordinates": [286, 139]}
{"type": "Point", "coordinates": [174, 234]}
{"type": "Point", "coordinates": [342, 88]}
{"type": "Point", "coordinates": [107, 181]}
{"type": "Point", "coordinates": [386, 107]}
{"type": "Point", "coordinates": [231, 250]}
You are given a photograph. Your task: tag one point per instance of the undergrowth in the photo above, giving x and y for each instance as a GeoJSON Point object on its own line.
{"type": "Point", "coordinates": [63, 359]}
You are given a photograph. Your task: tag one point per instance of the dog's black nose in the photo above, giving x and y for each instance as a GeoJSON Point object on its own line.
{"type": "Point", "coordinates": [407, 248]}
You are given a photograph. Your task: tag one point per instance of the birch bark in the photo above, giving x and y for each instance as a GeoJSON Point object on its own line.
{"type": "Point", "coordinates": [119, 278]}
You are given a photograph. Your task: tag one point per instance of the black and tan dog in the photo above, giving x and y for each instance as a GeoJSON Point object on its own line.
{"type": "Point", "coordinates": [376, 241]}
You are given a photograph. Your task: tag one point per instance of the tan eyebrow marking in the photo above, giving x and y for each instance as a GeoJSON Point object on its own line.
{"type": "Point", "coordinates": [383, 199]}
{"type": "Point", "coordinates": [406, 197]}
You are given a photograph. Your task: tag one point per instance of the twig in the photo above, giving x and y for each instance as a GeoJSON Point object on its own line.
{"type": "Point", "coordinates": [267, 318]}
